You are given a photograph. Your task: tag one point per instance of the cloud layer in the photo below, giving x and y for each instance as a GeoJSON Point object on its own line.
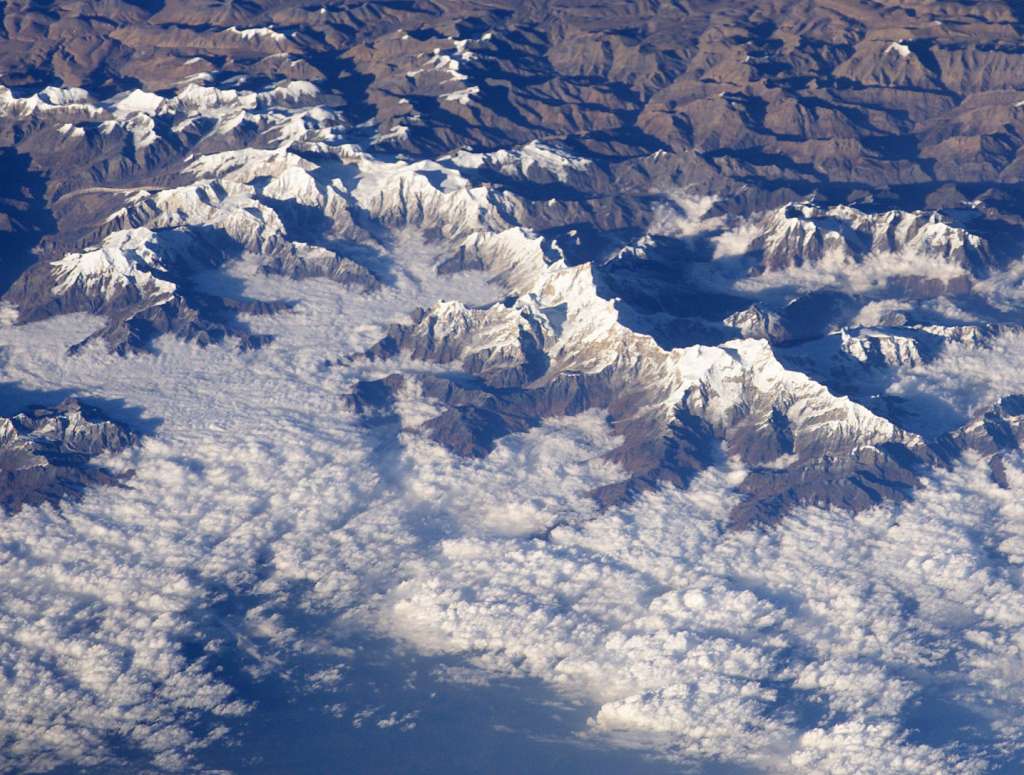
{"type": "Point", "coordinates": [819, 646]}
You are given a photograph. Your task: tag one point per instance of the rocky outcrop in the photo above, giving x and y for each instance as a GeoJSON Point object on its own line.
{"type": "Point", "coordinates": [561, 350]}
{"type": "Point", "coordinates": [48, 454]}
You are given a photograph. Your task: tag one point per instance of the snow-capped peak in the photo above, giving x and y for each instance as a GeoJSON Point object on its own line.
{"type": "Point", "coordinates": [125, 261]}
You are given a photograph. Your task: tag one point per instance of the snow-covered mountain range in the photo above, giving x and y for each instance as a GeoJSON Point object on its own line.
{"type": "Point", "coordinates": [754, 268]}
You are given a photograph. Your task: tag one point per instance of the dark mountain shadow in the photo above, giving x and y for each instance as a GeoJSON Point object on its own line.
{"type": "Point", "coordinates": [24, 217]}
{"type": "Point", "coordinates": [149, 6]}
{"type": "Point", "coordinates": [350, 82]}
{"type": "Point", "coordinates": [15, 399]}
{"type": "Point", "coordinates": [660, 296]}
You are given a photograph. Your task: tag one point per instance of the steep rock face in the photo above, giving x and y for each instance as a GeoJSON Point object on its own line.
{"type": "Point", "coordinates": [806, 235]}
{"type": "Point", "coordinates": [756, 322]}
{"type": "Point", "coordinates": [909, 254]}
{"type": "Point", "coordinates": [124, 271]}
{"type": "Point", "coordinates": [562, 350]}
{"type": "Point", "coordinates": [46, 454]}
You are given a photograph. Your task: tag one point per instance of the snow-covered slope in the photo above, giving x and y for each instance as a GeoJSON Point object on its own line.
{"type": "Point", "coordinates": [121, 270]}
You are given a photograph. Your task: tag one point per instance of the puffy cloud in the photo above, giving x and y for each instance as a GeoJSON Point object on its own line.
{"type": "Point", "coordinates": [678, 630]}
{"type": "Point", "coordinates": [858, 746]}
{"type": "Point", "coordinates": [91, 632]}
